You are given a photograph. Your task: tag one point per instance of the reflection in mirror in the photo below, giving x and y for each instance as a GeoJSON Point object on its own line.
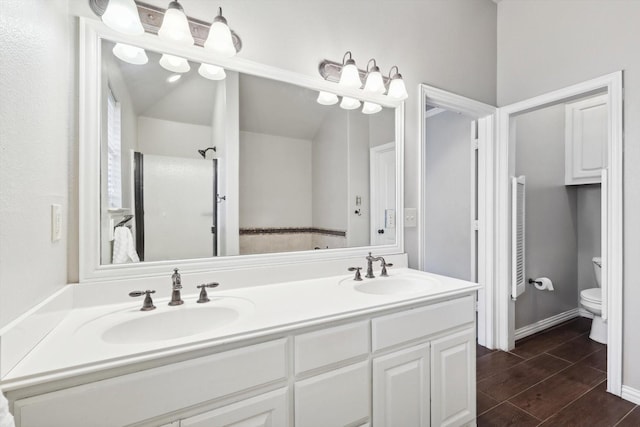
{"type": "Point", "coordinates": [195, 168]}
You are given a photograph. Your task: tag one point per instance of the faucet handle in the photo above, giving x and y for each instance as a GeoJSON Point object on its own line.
{"type": "Point", "coordinates": [385, 264]}
{"type": "Point", "coordinates": [357, 270]}
{"type": "Point", "coordinates": [203, 291]}
{"type": "Point", "coordinates": [148, 303]}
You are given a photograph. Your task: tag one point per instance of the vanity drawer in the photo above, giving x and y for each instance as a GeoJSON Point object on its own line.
{"type": "Point", "coordinates": [136, 397]}
{"type": "Point", "coordinates": [405, 326]}
{"type": "Point", "coordinates": [328, 346]}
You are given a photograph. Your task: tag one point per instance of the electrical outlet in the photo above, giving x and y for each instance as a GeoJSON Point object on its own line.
{"type": "Point", "coordinates": [410, 217]}
{"type": "Point", "coordinates": [56, 223]}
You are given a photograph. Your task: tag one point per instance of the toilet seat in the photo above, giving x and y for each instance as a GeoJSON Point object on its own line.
{"type": "Point", "coordinates": [593, 295]}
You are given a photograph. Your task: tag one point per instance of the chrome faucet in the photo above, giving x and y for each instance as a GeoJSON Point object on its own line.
{"type": "Point", "coordinates": [177, 285]}
{"type": "Point", "coordinates": [383, 263]}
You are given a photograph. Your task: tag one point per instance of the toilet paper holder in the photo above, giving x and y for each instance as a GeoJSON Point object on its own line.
{"type": "Point", "coordinates": [535, 282]}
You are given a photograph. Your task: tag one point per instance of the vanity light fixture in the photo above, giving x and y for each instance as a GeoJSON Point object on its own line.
{"type": "Point", "coordinates": [327, 98]}
{"type": "Point", "coordinates": [211, 72]}
{"type": "Point", "coordinates": [131, 54]}
{"type": "Point", "coordinates": [120, 15]}
{"type": "Point", "coordinates": [220, 40]}
{"type": "Point", "coordinates": [349, 103]}
{"type": "Point", "coordinates": [350, 75]}
{"type": "Point", "coordinates": [397, 90]}
{"type": "Point", "coordinates": [175, 27]}
{"type": "Point", "coordinates": [175, 64]}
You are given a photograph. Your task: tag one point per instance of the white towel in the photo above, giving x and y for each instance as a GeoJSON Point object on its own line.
{"type": "Point", "coordinates": [6, 419]}
{"type": "Point", "coordinates": [123, 250]}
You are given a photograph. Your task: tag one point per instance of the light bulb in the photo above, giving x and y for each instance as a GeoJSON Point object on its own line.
{"type": "Point", "coordinates": [174, 63]}
{"type": "Point", "coordinates": [350, 76]}
{"type": "Point", "coordinates": [349, 103]}
{"type": "Point", "coordinates": [175, 27]}
{"type": "Point", "coordinates": [397, 90]}
{"type": "Point", "coordinates": [211, 72]}
{"type": "Point", "coordinates": [122, 16]}
{"type": "Point", "coordinates": [374, 83]}
{"type": "Point", "coordinates": [174, 78]}
{"type": "Point", "coordinates": [220, 40]}
{"type": "Point", "coordinates": [371, 108]}
{"type": "Point", "coordinates": [327, 98]}
{"type": "Point", "coordinates": [131, 54]}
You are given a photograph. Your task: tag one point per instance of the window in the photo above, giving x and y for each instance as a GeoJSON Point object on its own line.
{"type": "Point", "coordinates": [114, 153]}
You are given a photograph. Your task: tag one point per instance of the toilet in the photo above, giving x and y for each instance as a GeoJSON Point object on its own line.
{"type": "Point", "coordinates": [591, 300]}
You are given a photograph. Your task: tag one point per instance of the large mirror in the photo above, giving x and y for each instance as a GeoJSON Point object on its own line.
{"type": "Point", "coordinates": [194, 168]}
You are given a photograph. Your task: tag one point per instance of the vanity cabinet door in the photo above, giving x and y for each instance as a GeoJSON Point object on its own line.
{"type": "Point", "coordinates": [337, 398]}
{"type": "Point", "coordinates": [401, 388]}
{"type": "Point", "coordinates": [453, 379]}
{"type": "Point", "coordinates": [267, 410]}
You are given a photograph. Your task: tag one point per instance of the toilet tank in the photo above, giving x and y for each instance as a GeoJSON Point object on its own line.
{"type": "Point", "coordinates": [597, 268]}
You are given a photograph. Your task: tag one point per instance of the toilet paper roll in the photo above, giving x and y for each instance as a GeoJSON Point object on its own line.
{"type": "Point", "coordinates": [543, 284]}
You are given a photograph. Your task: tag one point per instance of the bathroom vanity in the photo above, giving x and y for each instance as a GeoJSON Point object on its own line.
{"type": "Point", "coordinates": [394, 351]}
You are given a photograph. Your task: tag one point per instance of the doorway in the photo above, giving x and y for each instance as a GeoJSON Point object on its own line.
{"type": "Point", "coordinates": [477, 216]}
{"type": "Point", "coordinates": [612, 250]}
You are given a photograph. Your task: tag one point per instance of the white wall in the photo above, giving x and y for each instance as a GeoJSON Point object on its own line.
{"type": "Point", "coordinates": [275, 181]}
{"type": "Point", "coordinates": [448, 189]}
{"type": "Point", "coordinates": [546, 45]}
{"type": "Point", "coordinates": [330, 172]}
{"type": "Point", "coordinates": [551, 215]}
{"type": "Point", "coordinates": [37, 119]}
{"type": "Point", "coordinates": [169, 138]}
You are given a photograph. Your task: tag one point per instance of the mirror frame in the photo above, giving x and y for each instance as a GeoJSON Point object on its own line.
{"type": "Point", "coordinates": [90, 269]}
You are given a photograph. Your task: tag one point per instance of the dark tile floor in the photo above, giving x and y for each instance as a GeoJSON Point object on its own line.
{"type": "Point", "coordinates": [554, 378]}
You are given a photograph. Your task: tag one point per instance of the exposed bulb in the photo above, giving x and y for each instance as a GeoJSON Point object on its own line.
{"type": "Point", "coordinates": [131, 54]}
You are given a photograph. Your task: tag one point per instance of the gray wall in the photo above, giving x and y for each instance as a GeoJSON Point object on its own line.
{"type": "Point", "coordinates": [551, 219]}
{"type": "Point", "coordinates": [448, 189]}
{"type": "Point", "coordinates": [589, 233]}
{"type": "Point", "coordinates": [546, 45]}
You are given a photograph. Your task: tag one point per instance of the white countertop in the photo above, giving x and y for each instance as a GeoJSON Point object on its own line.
{"type": "Point", "coordinates": [76, 346]}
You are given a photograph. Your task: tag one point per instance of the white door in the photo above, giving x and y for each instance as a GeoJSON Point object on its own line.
{"type": "Point", "coordinates": [178, 208]}
{"type": "Point", "coordinates": [401, 388]}
{"type": "Point", "coordinates": [267, 410]}
{"type": "Point", "coordinates": [383, 194]}
{"type": "Point", "coordinates": [453, 382]}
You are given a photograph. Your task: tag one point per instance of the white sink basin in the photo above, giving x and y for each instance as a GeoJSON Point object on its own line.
{"type": "Point", "coordinates": [170, 324]}
{"type": "Point", "coordinates": [395, 285]}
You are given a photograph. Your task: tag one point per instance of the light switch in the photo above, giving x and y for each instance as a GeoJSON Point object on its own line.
{"type": "Point", "coordinates": [410, 217]}
{"type": "Point", "coordinates": [56, 222]}
{"type": "Point", "coordinates": [389, 218]}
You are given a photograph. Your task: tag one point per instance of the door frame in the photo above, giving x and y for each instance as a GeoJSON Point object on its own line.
{"type": "Point", "coordinates": [612, 248]}
{"type": "Point", "coordinates": [485, 115]}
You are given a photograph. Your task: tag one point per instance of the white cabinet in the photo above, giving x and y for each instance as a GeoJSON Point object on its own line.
{"type": "Point", "coordinates": [336, 398]}
{"type": "Point", "coordinates": [267, 410]}
{"type": "Point", "coordinates": [586, 137]}
{"type": "Point", "coordinates": [453, 379]}
{"type": "Point", "coordinates": [401, 388]}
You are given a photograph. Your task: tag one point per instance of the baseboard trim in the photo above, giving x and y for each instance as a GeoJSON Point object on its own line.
{"type": "Point", "coordinates": [585, 313]}
{"type": "Point", "coordinates": [543, 324]}
{"type": "Point", "coordinates": [631, 394]}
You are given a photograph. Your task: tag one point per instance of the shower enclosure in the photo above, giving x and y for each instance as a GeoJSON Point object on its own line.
{"type": "Point", "coordinates": [175, 207]}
